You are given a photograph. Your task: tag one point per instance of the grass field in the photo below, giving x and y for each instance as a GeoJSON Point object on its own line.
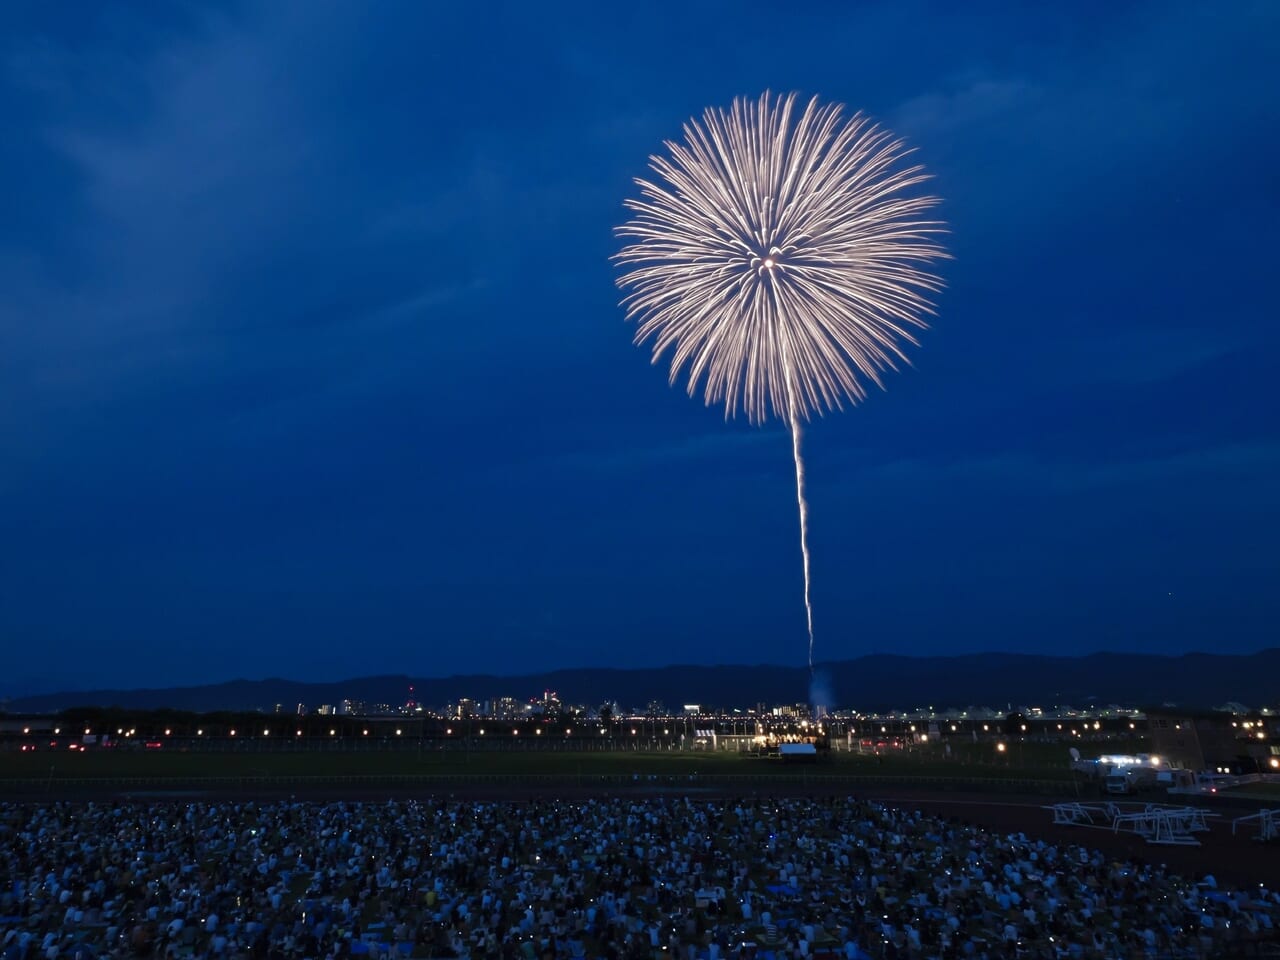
{"type": "Point", "coordinates": [1037, 763]}
{"type": "Point", "coordinates": [1257, 790]}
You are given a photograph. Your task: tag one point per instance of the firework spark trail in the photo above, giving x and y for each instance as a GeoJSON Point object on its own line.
{"type": "Point", "coordinates": [780, 258]}
{"type": "Point", "coordinates": [794, 416]}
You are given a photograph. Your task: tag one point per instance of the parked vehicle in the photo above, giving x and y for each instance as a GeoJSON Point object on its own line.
{"type": "Point", "coordinates": [1125, 780]}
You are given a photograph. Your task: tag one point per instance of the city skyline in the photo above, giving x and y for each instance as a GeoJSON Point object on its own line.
{"type": "Point", "coordinates": [311, 361]}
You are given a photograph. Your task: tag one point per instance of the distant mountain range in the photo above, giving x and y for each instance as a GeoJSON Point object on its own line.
{"type": "Point", "coordinates": [868, 683]}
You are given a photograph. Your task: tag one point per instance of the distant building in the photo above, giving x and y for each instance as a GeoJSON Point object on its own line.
{"type": "Point", "coordinates": [1210, 740]}
{"type": "Point", "coordinates": [325, 710]}
{"type": "Point", "coordinates": [279, 708]}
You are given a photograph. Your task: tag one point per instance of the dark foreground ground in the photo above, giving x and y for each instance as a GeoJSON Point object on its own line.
{"type": "Point", "coordinates": [1238, 860]}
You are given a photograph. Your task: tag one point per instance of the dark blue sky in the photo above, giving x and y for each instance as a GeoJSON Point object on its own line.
{"type": "Point", "coordinates": [311, 362]}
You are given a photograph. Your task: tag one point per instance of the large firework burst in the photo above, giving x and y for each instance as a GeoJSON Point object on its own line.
{"type": "Point", "coordinates": [781, 259]}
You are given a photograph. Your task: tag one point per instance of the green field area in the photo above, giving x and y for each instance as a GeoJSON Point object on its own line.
{"type": "Point", "coordinates": [1018, 762]}
{"type": "Point", "coordinates": [1257, 790]}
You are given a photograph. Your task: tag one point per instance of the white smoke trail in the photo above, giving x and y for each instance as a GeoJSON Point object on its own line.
{"type": "Point", "coordinates": [793, 414]}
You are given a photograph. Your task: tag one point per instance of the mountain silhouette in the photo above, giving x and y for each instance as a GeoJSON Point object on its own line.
{"type": "Point", "coordinates": [877, 682]}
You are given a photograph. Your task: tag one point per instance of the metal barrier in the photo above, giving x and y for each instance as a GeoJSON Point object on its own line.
{"type": "Point", "coordinates": [1268, 822]}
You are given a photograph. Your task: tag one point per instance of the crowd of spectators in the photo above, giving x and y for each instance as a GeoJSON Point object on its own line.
{"type": "Point", "coordinates": [612, 878]}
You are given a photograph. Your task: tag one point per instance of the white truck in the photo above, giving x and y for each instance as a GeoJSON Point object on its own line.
{"type": "Point", "coordinates": [1125, 780]}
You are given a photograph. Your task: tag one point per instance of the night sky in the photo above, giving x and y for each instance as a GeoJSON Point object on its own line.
{"type": "Point", "coordinates": [311, 359]}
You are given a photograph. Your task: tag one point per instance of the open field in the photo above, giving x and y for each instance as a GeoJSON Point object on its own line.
{"type": "Point", "coordinates": [161, 763]}
{"type": "Point", "coordinates": [1269, 790]}
{"type": "Point", "coordinates": [56, 772]}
